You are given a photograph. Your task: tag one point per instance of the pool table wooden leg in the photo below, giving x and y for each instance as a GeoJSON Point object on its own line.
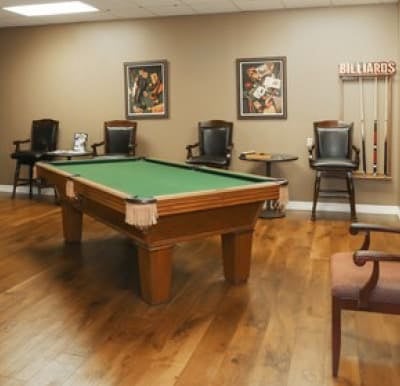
{"type": "Point", "coordinates": [72, 223]}
{"type": "Point", "coordinates": [155, 269]}
{"type": "Point", "coordinates": [236, 250]}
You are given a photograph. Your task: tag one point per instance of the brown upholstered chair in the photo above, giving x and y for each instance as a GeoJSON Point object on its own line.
{"type": "Point", "coordinates": [333, 155]}
{"type": "Point", "coordinates": [363, 281]}
{"type": "Point", "coordinates": [119, 138]}
{"type": "Point", "coordinates": [214, 145]}
{"type": "Point", "coordinates": [44, 133]}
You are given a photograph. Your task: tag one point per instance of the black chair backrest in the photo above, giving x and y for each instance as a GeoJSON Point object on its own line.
{"type": "Point", "coordinates": [119, 136]}
{"type": "Point", "coordinates": [333, 139]}
{"type": "Point", "coordinates": [44, 135]}
{"type": "Point", "coordinates": [215, 137]}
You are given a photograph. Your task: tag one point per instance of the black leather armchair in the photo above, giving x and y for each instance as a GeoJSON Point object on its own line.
{"type": "Point", "coordinates": [119, 138]}
{"type": "Point", "coordinates": [44, 134]}
{"type": "Point", "coordinates": [334, 155]}
{"type": "Point", "coordinates": [214, 145]}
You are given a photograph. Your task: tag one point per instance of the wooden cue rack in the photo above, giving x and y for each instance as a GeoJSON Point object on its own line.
{"type": "Point", "coordinates": [383, 151]}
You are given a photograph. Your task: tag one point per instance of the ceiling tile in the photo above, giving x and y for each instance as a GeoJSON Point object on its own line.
{"type": "Point", "coordinates": [255, 5]}
{"type": "Point", "coordinates": [210, 6]}
{"type": "Point", "coordinates": [132, 11]}
{"type": "Point", "coordinates": [123, 9]}
{"type": "Point", "coordinates": [354, 2]}
{"type": "Point", "coordinates": [306, 3]}
{"type": "Point", "coordinates": [156, 3]}
{"type": "Point", "coordinates": [171, 10]}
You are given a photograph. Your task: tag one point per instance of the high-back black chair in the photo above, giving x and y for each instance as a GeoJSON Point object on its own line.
{"type": "Point", "coordinates": [334, 155]}
{"type": "Point", "coordinates": [44, 135]}
{"type": "Point", "coordinates": [119, 138]}
{"type": "Point", "coordinates": [214, 145]}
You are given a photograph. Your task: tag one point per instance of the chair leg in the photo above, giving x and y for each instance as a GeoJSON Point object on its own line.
{"type": "Point", "coordinates": [30, 181]}
{"type": "Point", "coordinates": [16, 178]}
{"type": "Point", "coordinates": [350, 188]}
{"type": "Point", "coordinates": [317, 184]}
{"type": "Point", "coordinates": [39, 185]}
{"type": "Point", "coordinates": [56, 200]}
{"type": "Point", "coordinates": [336, 335]}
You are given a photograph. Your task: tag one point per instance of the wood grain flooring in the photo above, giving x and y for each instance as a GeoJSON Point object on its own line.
{"type": "Point", "coordinates": [71, 315]}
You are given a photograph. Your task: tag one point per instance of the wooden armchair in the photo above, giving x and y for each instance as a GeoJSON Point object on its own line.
{"type": "Point", "coordinates": [214, 145]}
{"type": "Point", "coordinates": [363, 281]}
{"type": "Point", "coordinates": [334, 155]}
{"type": "Point", "coordinates": [119, 138]}
{"type": "Point", "coordinates": [44, 134]}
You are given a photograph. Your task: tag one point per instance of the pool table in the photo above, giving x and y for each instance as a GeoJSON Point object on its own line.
{"type": "Point", "coordinates": [158, 204]}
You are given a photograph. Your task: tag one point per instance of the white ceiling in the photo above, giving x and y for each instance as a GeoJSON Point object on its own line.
{"type": "Point", "coordinates": [126, 9]}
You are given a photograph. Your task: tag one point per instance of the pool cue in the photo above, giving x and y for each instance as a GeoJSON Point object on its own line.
{"type": "Point", "coordinates": [375, 143]}
{"type": "Point", "coordinates": [385, 148]}
{"type": "Point", "coordinates": [362, 124]}
{"type": "Point", "coordinates": [389, 126]}
{"type": "Point", "coordinates": [341, 112]}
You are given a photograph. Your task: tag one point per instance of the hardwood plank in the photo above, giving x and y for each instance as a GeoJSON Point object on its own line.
{"type": "Point", "coordinates": [6, 381]}
{"type": "Point", "coordinates": [72, 315]}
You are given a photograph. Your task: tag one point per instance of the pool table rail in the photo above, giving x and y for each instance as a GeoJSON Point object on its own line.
{"type": "Point", "coordinates": [166, 204]}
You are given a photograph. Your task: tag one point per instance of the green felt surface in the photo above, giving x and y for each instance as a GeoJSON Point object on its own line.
{"type": "Point", "coordinates": [146, 178]}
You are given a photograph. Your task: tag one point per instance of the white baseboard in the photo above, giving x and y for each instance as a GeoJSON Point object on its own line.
{"type": "Point", "coordinates": [292, 205]}
{"type": "Point", "coordinates": [25, 190]}
{"type": "Point", "coordinates": [344, 207]}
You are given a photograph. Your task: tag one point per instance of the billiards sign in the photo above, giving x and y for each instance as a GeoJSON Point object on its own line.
{"type": "Point", "coordinates": [378, 68]}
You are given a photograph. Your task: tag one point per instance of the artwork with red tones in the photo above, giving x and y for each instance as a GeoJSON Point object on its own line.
{"type": "Point", "coordinates": [262, 88]}
{"type": "Point", "coordinates": [146, 89]}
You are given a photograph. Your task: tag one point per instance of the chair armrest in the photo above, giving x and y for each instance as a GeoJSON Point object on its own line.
{"type": "Point", "coordinates": [17, 143]}
{"type": "Point", "coordinates": [356, 151]}
{"type": "Point", "coordinates": [310, 154]}
{"type": "Point", "coordinates": [95, 146]}
{"type": "Point", "coordinates": [131, 149]}
{"type": "Point", "coordinates": [361, 257]}
{"type": "Point", "coordinates": [228, 151]}
{"type": "Point", "coordinates": [363, 227]}
{"type": "Point", "coordinates": [189, 149]}
{"type": "Point", "coordinates": [355, 228]}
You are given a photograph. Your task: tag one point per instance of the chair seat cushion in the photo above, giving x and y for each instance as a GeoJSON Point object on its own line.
{"type": "Point", "coordinates": [347, 279]}
{"type": "Point", "coordinates": [208, 159]}
{"type": "Point", "coordinates": [29, 157]}
{"type": "Point", "coordinates": [334, 163]}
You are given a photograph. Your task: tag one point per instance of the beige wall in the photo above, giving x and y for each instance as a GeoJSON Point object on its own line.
{"type": "Point", "coordinates": [73, 73]}
{"type": "Point", "coordinates": [396, 143]}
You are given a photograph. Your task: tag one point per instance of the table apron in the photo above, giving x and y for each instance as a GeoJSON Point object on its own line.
{"type": "Point", "coordinates": [169, 229]}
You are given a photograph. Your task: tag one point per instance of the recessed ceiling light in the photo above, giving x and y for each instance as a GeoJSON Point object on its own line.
{"type": "Point", "coordinates": [52, 8]}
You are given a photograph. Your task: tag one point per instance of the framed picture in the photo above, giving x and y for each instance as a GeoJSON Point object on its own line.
{"type": "Point", "coordinates": [80, 142]}
{"type": "Point", "coordinates": [261, 88]}
{"type": "Point", "coordinates": [146, 89]}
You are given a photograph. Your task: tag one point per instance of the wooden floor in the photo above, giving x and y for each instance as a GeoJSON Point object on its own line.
{"type": "Point", "coordinates": [72, 316]}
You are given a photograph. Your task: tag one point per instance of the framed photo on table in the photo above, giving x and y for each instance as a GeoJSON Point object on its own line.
{"type": "Point", "coordinates": [146, 89]}
{"type": "Point", "coordinates": [80, 142]}
{"type": "Point", "coordinates": [261, 84]}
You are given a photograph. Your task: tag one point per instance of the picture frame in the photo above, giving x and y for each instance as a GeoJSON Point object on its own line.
{"type": "Point", "coordinates": [146, 89]}
{"type": "Point", "coordinates": [261, 88]}
{"type": "Point", "coordinates": [80, 142]}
